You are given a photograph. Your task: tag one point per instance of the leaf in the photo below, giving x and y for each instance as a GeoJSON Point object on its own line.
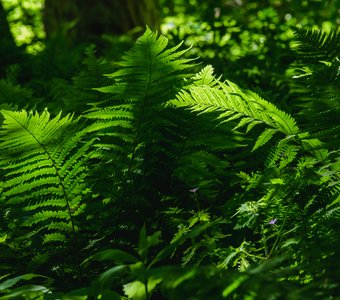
{"type": "Point", "coordinates": [145, 242]}
{"type": "Point", "coordinates": [142, 243]}
{"type": "Point", "coordinates": [289, 242]}
{"type": "Point", "coordinates": [278, 181]}
{"type": "Point", "coordinates": [165, 252]}
{"type": "Point", "coordinates": [27, 292]}
{"type": "Point", "coordinates": [228, 259]}
{"type": "Point", "coordinates": [105, 280]}
{"type": "Point", "coordinates": [334, 202]}
{"type": "Point", "coordinates": [265, 136]}
{"type": "Point", "coordinates": [13, 281]}
{"type": "Point", "coordinates": [136, 290]}
{"type": "Point", "coordinates": [243, 122]}
{"type": "Point", "coordinates": [116, 255]}
{"type": "Point", "coordinates": [231, 103]}
{"type": "Point", "coordinates": [3, 239]}
{"type": "Point", "coordinates": [232, 287]}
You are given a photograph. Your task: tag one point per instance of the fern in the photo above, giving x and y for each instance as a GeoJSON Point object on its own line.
{"type": "Point", "coordinates": [14, 94]}
{"type": "Point", "coordinates": [317, 45]}
{"type": "Point", "coordinates": [284, 193]}
{"type": "Point", "coordinates": [233, 103]}
{"type": "Point", "coordinates": [317, 84]}
{"type": "Point", "coordinates": [151, 151]}
{"type": "Point", "coordinates": [129, 122]}
{"type": "Point", "coordinates": [148, 76]}
{"type": "Point", "coordinates": [90, 76]}
{"type": "Point", "coordinates": [43, 164]}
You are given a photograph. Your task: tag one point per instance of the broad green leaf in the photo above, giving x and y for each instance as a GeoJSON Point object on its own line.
{"type": "Point", "coordinates": [105, 280]}
{"type": "Point", "coordinates": [136, 290]}
{"type": "Point", "coordinates": [27, 292]}
{"type": "Point", "coordinates": [145, 242]}
{"type": "Point", "coordinates": [116, 255]}
{"type": "Point", "coordinates": [232, 287]}
{"type": "Point", "coordinates": [11, 282]}
{"type": "Point", "coordinates": [3, 238]}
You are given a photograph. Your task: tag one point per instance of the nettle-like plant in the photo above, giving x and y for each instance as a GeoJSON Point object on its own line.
{"type": "Point", "coordinates": [138, 156]}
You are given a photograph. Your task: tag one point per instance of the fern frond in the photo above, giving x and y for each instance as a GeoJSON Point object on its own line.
{"type": "Point", "coordinates": [43, 161]}
{"type": "Point", "coordinates": [281, 154]}
{"type": "Point", "coordinates": [233, 103]}
{"type": "Point", "coordinates": [54, 237]}
{"type": "Point", "coordinates": [92, 74]}
{"type": "Point", "coordinates": [205, 77]}
{"type": "Point", "coordinates": [14, 94]}
{"type": "Point", "coordinates": [317, 86]}
{"type": "Point", "coordinates": [317, 45]}
{"type": "Point", "coordinates": [264, 137]}
{"type": "Point", "coordinates": [149, 75]}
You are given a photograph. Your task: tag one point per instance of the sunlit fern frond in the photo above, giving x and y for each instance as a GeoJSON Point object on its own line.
{"type": "Point", "coordinates": [42, 161]}
{"type": "Point", "coordinates": [233, 103]}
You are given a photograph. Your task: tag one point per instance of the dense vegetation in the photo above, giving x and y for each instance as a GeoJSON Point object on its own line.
{"type": "Point", "coordinates": [175, 172]}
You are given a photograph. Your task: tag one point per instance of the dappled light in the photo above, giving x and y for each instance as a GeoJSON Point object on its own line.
{"type": "Point", "coordinates": [173, 150]}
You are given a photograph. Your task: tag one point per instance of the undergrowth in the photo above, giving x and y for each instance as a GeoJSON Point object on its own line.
{"type": "Point", "coordinates": [170, 184]}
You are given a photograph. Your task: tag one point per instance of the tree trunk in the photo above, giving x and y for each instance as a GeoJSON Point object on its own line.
{"type": "Point", "coordinates": [92, 18]}
{"type": "Point", "coordinates": [9, 52]}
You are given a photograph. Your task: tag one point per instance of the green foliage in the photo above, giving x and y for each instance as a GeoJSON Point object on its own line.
{"type": "Point", "coordinates": [242, 198]}
{"type": "Point", "coordinates": [129, 122]}
{"type": "Point", "coordinates": [26, 24]}
{"type": "Point", "coordinates": [317, 45]}
{"type": "Point", "coordinates": [147, 77]}
{"type": "Point", "coordinates": [318, 82]}
{"type": "Point", "coordinates": [23, 292]}
{"type": "Point", "coordinates": [14, 94]}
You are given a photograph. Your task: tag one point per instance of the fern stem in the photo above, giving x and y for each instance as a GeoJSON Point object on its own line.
{"type": "Point", "coordinates": [184, 144]}
{"type": "Point", "coordinates": [135, 142]}
{"type": "Point", "coordinates": [180, 153]}
{"type": "Point", "coordinates": [264, 242]}
{"type": "Point", "coordinates": [278, 237]}
{"type": "Point", "coordinates": [141, 117]}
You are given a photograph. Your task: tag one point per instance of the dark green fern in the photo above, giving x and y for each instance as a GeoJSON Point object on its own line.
{"type": "Point", "coordinates": [147, 77]}
{"type": "Point", "coordinates": [131, 124]}
{"type": "Point", "coordinates": [317, 83]}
